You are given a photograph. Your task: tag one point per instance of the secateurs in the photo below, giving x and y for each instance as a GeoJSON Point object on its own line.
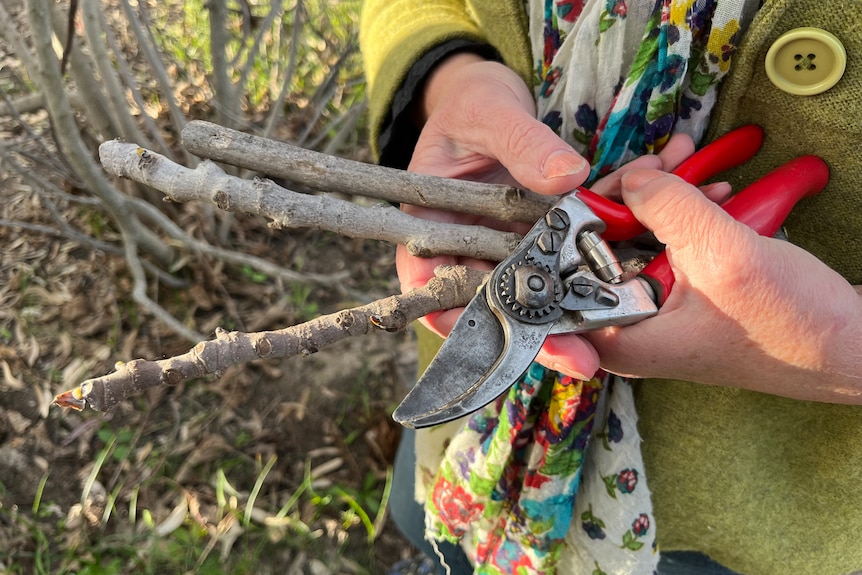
{"type": "Point", "coordinates": [564, 278]}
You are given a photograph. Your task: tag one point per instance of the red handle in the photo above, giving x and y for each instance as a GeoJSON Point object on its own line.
{"type": "Point", "coordinates": [762, 206]}
{"type": "Point", "coordinates": [731, 150]}
{"type": "Point", "coordinates": [728, 151]}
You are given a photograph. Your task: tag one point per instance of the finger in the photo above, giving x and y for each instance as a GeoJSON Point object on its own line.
{"type": "Point", "coordinates": [694, 229]}
{"type": "Point", "coordinates": [718, 192]}
{"type": "Point", "coordinates": [442, 322]}
{"type": "Point", "coordinates": [571, 355]}
{"type": "Point", "coordinates": [678, 148]}
{"type": "Point", "coordinates": [534, 155]}
{"type": "Point", "coordinates": [609, 186]}
{"type": "Point", "coordinates": [414, 272]}
{"type": "Point", "coordinates": [501, 131]}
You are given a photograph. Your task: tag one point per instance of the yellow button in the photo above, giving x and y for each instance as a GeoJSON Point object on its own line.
{"type": "Point", "coordinates": [806, 61]}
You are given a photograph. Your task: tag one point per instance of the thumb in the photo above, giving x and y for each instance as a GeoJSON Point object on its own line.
{"type": "Point", "coordinates": [694, 229]}
{"type": "Point", "coordinates": [535, 156]}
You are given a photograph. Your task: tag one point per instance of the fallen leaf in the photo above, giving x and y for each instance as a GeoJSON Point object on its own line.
{"type": "Point", "coordinates": [9, 379]}
{"type": "Point", "coordinates": [174, 520]}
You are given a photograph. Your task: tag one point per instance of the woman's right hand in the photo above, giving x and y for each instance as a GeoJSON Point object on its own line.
{"type": "Point", "coordinates": [479, 123]}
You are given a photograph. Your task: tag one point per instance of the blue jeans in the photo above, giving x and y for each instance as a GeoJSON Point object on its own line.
{"type": "Point", "coordinates": [409, 516]}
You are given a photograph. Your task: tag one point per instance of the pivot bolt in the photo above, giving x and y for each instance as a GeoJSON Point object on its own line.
{"type": "Point", "coordinates": [532, 288]}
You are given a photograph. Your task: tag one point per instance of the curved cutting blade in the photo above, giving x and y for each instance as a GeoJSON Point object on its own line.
{"type": "Point", "coordinates": [481, 359]}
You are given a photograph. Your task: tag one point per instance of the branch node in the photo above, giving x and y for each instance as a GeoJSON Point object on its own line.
{"type": "Point", "coordinates": [172, 377]}
{"type": "Point", "coordinates": [263, 346]}
{"type": "Point", "coordinates": [391, 322]}
{"type": "Point", "coordinates": [146, 157]}
{"type": "Point", "coordinates": [222, 200]}
{"type": "Point", "coordinates": [417, 248]}
{"type": "Point", "coordinates": [345, 319]}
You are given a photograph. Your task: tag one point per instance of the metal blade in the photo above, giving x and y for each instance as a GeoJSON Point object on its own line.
{"type": "Point", "coordinates": [472, 348]}
{"type": "Point", "coordinates": [476, 364]}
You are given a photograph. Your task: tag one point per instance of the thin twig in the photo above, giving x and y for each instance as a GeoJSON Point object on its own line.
{"type": "Point", "coordinates": [10, 33]}
{"type": "Point", "coordinates": [132, 84]}
{"type": "Point", "coordinates": [182, 239]}
{"type": "Point", "coordinates": [452, 287]}
{"type": "Point", "coordinates": [226, 98]}
{"type": "Point", "coordinates": [278, 104]}
{"type": "Point", "coordinates": [69, 138]}
{"type": "Point", "coordinates": [44, 188]}
{"type": "Point", "coordinates": [338, 175]}
{"type": "Point", "coordinates": [139, 292]}
{"type": "Point", "coordinates": [147, 43]}
{"type": "Point", "coordinates": [348, 122]}
{"type": "Point", "coordinates": [285, 208]}
{"type": "Point", "coordinates": [95, 106]}
{"type": "Point", "coordinates": [49, 158]}
{"type": "Point", "coordinates": [263, 28]}
{"type": "Point", "coordinates": [117, 105]}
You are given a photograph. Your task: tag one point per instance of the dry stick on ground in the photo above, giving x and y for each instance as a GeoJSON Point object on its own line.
{"type": "Point", "coordinates": [328, 173]}
{"type": "Point", "coordinates": [452, 287]}
{"type": "Point", "coordinates": [285, 208]}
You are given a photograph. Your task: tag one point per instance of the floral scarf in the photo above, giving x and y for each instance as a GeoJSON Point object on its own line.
{"type": "Point", "coordinates": [550, 477]}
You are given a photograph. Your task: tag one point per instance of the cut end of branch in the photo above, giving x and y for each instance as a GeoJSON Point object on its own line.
{"type": "Point", "coordinates": [72, 399]}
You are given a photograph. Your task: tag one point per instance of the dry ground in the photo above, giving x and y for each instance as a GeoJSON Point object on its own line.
{"type": "Point", "coordinates": [92, 492]}
{"type": "Point", "coordinates": [66, 314]}
{"type": "Point", "coordinates": [274, 467]}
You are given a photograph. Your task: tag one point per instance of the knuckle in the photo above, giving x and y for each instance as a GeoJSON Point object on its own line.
{"type": "Point", "coordinates": [520, 138]}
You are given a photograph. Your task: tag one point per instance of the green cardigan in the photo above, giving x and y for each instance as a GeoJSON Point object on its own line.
{"type": "Point", "coordinates": [762, 484]}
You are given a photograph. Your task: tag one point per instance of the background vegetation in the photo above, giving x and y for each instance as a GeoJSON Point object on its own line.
{"type": "Point", "coordinates": [274, 467]}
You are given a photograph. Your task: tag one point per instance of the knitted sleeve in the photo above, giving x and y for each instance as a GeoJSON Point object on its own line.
{"type": "Point", "coordinates": [394, 35]}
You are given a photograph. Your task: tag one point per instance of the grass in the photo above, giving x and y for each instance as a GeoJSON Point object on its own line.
{"type": "Point", "coordinates": [237, 533]}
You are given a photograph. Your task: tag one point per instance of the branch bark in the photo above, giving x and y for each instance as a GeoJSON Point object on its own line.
{"type": "Point", "coordinates": [328, 173]}
{"type": "Point", "coordinates": [452, 287]}
{"type": "Point", "coordinates": [286, 208]}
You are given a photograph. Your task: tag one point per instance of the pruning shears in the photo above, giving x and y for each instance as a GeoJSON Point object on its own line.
{"type": "Point", "coordinates": [564, 278]}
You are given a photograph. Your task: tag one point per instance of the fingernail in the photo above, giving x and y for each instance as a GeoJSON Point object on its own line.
{"type": "Point", "coordinates": [563, 163]}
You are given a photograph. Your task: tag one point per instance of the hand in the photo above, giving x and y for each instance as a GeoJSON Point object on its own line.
{"type": "Point", "coordinates": [746, 310]}
{"type": "Point", "coordinates": [479, 124]}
